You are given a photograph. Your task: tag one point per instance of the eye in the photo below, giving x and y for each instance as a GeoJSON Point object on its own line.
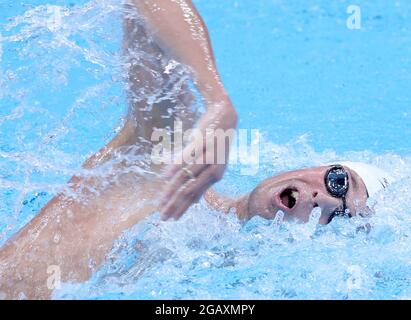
{"type": "Point", "coordinates": [337, 181]}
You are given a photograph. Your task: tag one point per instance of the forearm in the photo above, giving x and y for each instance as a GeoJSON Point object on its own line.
{"type": "Point", "coordinates": [179, 29]}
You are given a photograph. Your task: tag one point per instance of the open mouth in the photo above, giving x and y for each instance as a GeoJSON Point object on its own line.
{"type": "Point", "coordinates": [289, 197]}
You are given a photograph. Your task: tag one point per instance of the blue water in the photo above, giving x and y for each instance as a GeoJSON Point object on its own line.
{"type": "Point", "coordinates": [317, 92]}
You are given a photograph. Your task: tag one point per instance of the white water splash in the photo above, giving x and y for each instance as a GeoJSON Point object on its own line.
{"type": "Point", "coordinates": [51, 121]}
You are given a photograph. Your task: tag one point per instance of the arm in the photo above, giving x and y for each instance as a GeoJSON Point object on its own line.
{"type": "Point", "coordinates": [180, 31]}
{"type": "Point", "coordinates": [77, 228]}
{"type": "Point", "coordinates": [74, 232]}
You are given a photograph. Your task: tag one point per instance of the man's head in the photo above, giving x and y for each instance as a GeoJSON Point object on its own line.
{"type": "Point", "coordinates": [335, 189]}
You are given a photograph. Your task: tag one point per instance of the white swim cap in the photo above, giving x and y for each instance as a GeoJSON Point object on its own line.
{"type": "Point", "coordinates": [374, 178]}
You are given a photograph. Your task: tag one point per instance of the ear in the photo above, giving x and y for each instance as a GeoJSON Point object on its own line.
{"type": "Point", "coordinates": [223, 203]}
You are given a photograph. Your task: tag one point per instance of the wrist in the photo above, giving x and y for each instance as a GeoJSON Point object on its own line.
{"type": "Point", "coordinates": [224, 112]}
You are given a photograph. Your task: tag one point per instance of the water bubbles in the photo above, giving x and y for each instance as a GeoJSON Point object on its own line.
{"type": "Point", "coordinates": [354, 280]}
{"type": "Point", "coordinates": [64, 66]}
{"type": "Point", "coordinates": [304, 231]}
{"type": "Point", "coordinates": [56, 238]}
{"type": "Point", "coordinates": [278, 220]}
{"type": "Point", "coordinates": [1, 48]}
{"type": "Point", "coordinates": [21, 296]}
{"type": "Point", "coordinates": [54, 22]}
{"type": "Point", "coordinates": [315, 216]}
{"type": "Point", "coordinates": [170, 66]}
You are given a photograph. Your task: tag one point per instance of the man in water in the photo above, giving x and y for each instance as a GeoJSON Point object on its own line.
{"type": "Point", "coordinates": [119, 185]}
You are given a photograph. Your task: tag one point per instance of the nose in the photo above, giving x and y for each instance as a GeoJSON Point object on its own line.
{"type": "Point", "coordinates": [325, 201]}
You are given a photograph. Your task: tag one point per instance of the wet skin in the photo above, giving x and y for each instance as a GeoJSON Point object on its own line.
{"type": "Point", "coordinates": [297, 193]}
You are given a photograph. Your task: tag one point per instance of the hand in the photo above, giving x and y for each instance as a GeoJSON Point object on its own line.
{"type": "Point", "coordinates": [187, 182]}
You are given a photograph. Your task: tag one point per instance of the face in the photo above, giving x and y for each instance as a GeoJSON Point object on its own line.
{"type": "Point", "coordinates": [297, 193]}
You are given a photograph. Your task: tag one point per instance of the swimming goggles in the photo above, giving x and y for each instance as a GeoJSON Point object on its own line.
{"type": "Point", "coordinates": [337, 184]}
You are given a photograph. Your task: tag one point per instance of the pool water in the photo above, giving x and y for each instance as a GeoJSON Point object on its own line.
{"type": "Point", "coordinates": [317, 92]}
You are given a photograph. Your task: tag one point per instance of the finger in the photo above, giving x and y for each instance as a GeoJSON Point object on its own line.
{"type": "Point", "coordinates": [186, 196]}
{"type": "Point", "coordinates": [182, 207]}
{"type": "Point", "coordinates": [185, 158]}
{"type": "Point", "coordinates": [171, 170]}
{"type": "Point", "coordinates": [175, 208]}
{"type": "Point", "coordinates": [195, 191]}
{"type": "Point", "coordinates": [179, 183]}
{"type": "Point", "coordinates": [184, 175]}
{"type": "Point", "coordinates": [193, 153]}
{"type": "Point", "coordinates": [215, 172]}
{"type": "Point", "coordinates": [194, 198]}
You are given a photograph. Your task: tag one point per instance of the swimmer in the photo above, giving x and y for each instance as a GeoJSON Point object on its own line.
{"type": "Point", "coordinates": [166, 45]}
{"type": "Point", "coordinates": [119, 186]}
{"type": "Point", "coordinates": [340, 189]}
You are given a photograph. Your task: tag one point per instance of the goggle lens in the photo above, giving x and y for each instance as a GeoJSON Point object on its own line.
{"type": "Point", "coordinates": [336, 181]}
